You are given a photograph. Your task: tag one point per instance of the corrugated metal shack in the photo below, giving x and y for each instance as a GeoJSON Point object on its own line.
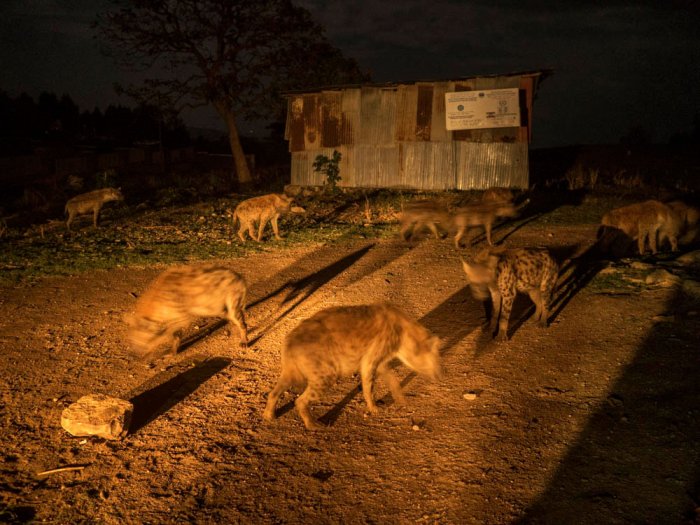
{"type": "Point", "coordinates": [395, 136]}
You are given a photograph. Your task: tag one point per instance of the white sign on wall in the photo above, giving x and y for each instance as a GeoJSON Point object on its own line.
{"type": "Point", "coordinates": [493, 108]}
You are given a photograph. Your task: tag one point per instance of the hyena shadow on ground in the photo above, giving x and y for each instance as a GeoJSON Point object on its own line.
{"type": "Point", "coordinates": [171, 387]}
{"type": "Point", "coordinates": [295, 291]}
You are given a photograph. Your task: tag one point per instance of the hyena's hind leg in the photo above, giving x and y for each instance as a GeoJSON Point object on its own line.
{"type": "Point", "coordinates": [284, 383]}
{"type": "Point", "coordinates": [540, 308]}
{"type": "Point", "coordinates": [235, 313]}
{"type": "Point", "coordinates": [312, 393]}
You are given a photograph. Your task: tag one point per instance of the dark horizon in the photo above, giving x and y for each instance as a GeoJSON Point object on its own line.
{"type": "Point", "coordinates": [617, 67]}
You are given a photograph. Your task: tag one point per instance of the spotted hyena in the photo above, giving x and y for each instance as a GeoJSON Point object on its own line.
{"type": "Point", "coordinates": [503, 272]}
{"type": "Point", "coordinates": [180, 295]}
{"type": "Point", "coordinates": [91, 202]}
{"type": "Point", "coordinates": [261, 210]}
{"type": "Point", "coordinates": [642, 222]}
{"type": "Point", "coordinates": [419, 215]}
{"type": "Point", "coordinates": [482, 214]}
{"type": "Point", "coordinates": [342, 340]}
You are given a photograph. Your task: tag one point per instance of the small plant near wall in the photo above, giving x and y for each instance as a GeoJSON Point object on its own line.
{"type": "Point", "coordinates": [330, 168]}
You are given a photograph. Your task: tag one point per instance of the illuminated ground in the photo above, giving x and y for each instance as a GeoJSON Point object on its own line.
{"type": "Point", "coordinates": [594, 420]}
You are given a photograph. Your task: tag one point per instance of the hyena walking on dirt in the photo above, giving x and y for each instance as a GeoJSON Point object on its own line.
{"type": "Point", "coordinates": [261, 210]}
{"type": "Point", "coordinates": [91, 201]}
{"type": "Point", "coordinates": [423, 214]}
{"type": "Point", "coordinates": [504, 272]}
{"type": "Point", "coordinates": [181, 295]}
{"type": "Point", "coordinates": [482, 214]}
{"type": "Point", "coordinates": [340, 341]}
{"type": "Point", "coordinates": [642, 222]}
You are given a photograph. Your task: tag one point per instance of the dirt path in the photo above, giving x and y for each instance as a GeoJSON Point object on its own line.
{"type": "Point", "coordinates": [593, 420]}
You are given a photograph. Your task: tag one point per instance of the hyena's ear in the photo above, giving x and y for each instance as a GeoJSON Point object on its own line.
{"type": "Point", "coordinates": [435, 343]}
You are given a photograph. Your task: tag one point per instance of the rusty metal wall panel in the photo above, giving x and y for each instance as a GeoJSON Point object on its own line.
{"type": "Point", "coordinates": [331, 117]}
{"type": "Point", "coordinates": [427, 165]}
{"type": "Point", "coordinates": [481, 166]}
{"type": "Point", "coordinates": [295, 118]}
{"type": "Point", "coordinates": [312, 122]}
{"type": "Point", "coordinates": [438, 128]}
{"type": "Point", "coordinates": [406, 103]}
{"type": "Point", "coordinates": [376, 165]}
{"type": "Point", "coordinates": [377, 116]}
{"type": "Point", "coordinates": [350, 107]}
{"type": "Point", "coordinates": [424, 112]}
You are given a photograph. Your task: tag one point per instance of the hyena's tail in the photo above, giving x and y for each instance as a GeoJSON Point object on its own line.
{"type": "Point", "coordinates": [235, 218]}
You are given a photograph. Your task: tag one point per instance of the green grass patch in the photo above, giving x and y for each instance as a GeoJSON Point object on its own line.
{"type": "Point", "coordinates": [166, 236]}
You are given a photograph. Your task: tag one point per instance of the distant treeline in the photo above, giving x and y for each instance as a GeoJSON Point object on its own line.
{"type": "Point", "coordinates": [24, 120]}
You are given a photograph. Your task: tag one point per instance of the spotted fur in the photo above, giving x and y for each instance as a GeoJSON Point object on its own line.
{"type": "Point", "coordinates": [260, 211]}
{"type": "Point", "coordinates": [503, 272]}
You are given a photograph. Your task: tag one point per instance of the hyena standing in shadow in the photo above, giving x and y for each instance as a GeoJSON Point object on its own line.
{"type": "Point", "coordinates": [339, 341]}
{"type": "Point", "coordinates": [419, 215]}
{"type": "Point", "coordinates": [261, 210]}
{"type": "Point", "coordinates": [90, 202]}
{"type": "Point", "coordinates": [642, 222]}
{"type": "Point", "coordinates": [683, 226]}
{"type": "Point", "coordinates": [503, 272]}
{"type": "Point", "coordinates": [179, 296]}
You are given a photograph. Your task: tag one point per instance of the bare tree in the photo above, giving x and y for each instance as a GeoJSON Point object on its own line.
{"type": "Point", "coordinates": [231, 54]}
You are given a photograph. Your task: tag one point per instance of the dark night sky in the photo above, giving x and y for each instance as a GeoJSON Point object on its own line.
{"type": "Point", "coordinates": [617, 64]}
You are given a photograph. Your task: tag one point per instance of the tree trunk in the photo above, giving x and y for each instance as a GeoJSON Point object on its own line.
{"type": "Point", "coordinates": [239, 160]}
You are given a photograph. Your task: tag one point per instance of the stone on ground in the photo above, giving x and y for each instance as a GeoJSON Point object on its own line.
{"type": "Point", "coordinates": [98, 415]}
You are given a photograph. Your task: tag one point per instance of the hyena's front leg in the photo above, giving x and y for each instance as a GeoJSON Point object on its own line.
{"type": "Point", "coordinates": [368, 370]}
{"type": "Point", "coordinates": [275, 227]}
{"type": "Point", "coordinates": [433, 228]}
{"type": "Point", "coordinates": [392, 382]}
{"type": "Point", "coordinates": [261, 227]}
{"type": "Point", "coordinates": [95, 216]}
{"type": "Point", "coordinates": [487, 229]}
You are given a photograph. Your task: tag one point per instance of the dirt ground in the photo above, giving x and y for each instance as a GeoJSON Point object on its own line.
{"type": "Point", "coordinates": [592, 420]}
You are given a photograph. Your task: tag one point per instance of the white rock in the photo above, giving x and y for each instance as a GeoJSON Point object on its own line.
{"type": "Point", "coordinates": [98, 415]}
{"type": "Point", "coordinates": [662, 278]}
{"type": "Point", "coordinates": [469, 396]}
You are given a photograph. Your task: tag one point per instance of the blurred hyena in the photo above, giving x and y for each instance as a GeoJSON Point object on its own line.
{"type": "Point", "coordinates": [261, 210]}
{"type": "Point", "coordinates": [91, 202]}
{"type": "Point", "coordinates": [497, 195]}
{"type": "Point", "coordinates": [483, 214]}
{"type": "Point", "coordinates": [503, 272]}
{"type": "Point", "coordinates": [181, 295]}
{"type": "Point", "coordinates": [642, 222]}
{"type": "Point", "coordinates": [342, 340]}
{"type": "Point", "coordinates": [683, 226]}
{"type": "Point", "coordinates": [424, 214]}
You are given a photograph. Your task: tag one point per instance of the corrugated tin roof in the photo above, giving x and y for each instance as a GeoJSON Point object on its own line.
{"type": "Point", "coordinates": [541, 73]}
